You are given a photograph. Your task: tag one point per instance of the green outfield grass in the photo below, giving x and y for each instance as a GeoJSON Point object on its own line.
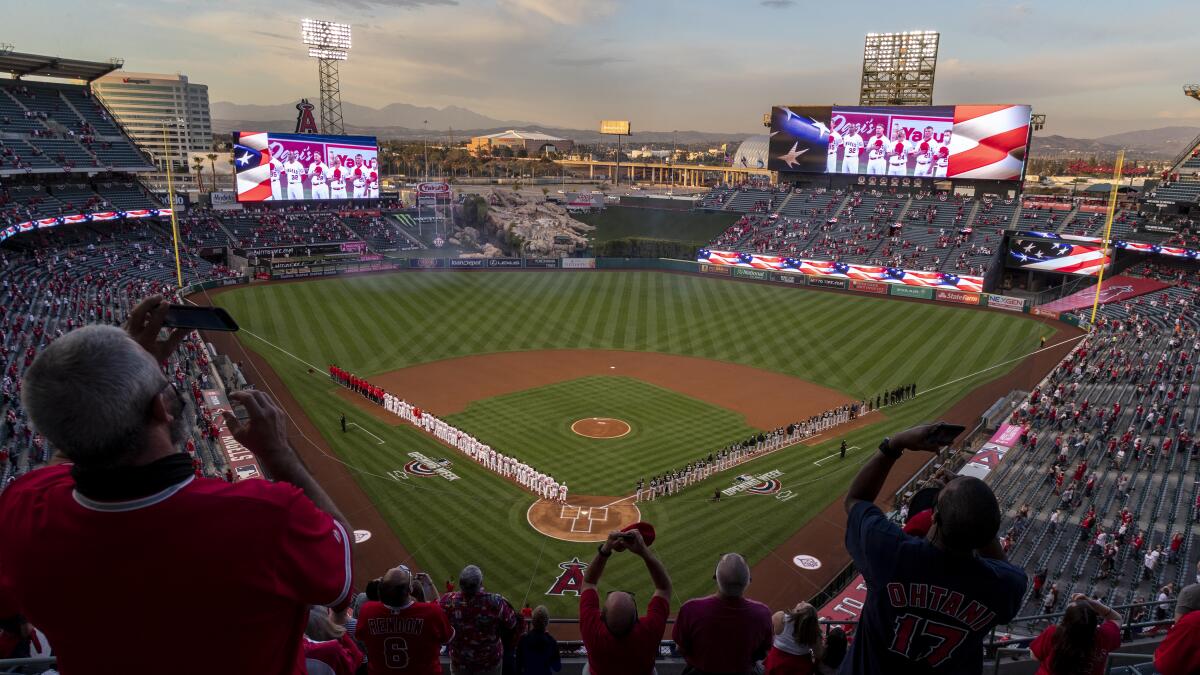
{"type": "Point", "coordinates": [373, 324]}
{"type": "Point", "coordinates": [667, 430]}
{"type": "Point", "coordinates": [691, 227]}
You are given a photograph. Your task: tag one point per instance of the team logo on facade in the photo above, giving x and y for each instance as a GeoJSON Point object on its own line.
{"type": "Point", "coordinates": [571, 579]}
{"type": "Point", "coordinates": [305, 123]}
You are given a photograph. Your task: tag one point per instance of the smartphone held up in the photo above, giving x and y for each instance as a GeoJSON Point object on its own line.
{"type": "Point", "coordinates": [199, 318]}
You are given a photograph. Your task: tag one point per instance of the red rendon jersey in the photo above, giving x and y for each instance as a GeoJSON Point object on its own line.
{"type": "Point", "coordinates": [1178, 653]}
{"type": "Point", "coordinates": [635, 652]}
{"type": "Point", "coordinates": [403, 640]}
{"type": "Point", "coordinates": [203, 557]}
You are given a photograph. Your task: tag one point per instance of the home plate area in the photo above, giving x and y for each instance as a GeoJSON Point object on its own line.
{"type": "Point", "coordinates": [585, 518]}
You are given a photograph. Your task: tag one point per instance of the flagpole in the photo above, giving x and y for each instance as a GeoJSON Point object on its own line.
{"type": "Point", "coordinates": [1108, 220]}
{"type": "Point", "coordinates": [171, 201]}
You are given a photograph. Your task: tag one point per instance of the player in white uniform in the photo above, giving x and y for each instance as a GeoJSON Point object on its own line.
{"type": "Point", "coordinates": [942, 163]}
{"type": "Point", "coordinates": [562, 493]}
{"type": "Point", "coordinates": [876, 153]}
{"type": "Point", "coordinates": [926, 147]}
{"type": "Point", "coordinates": [294, 171]}
{"type": "Point", "coordinates": [898, 151]}
{"type": "Point", "coordinates": [835, 142]}
{"type": "Point", "coordinates": [372, 179]}
{"type": "Point", "coordinates": [318, 177]}
{"type": "Point", "coordinates": [276, 188]}
{"type": "Point", "coordinates": [852, 145]}
{"type": "Point", "coordinates": [337, 183]}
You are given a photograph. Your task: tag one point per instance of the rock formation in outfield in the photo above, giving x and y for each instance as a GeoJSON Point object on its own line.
{"type": "Point", "coordinates": [541, 229]}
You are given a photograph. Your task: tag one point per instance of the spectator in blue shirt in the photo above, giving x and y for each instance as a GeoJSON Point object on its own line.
{"type": "Point", "coordinates": [537, 652]}
{"type": "Point", "coordinates": [930, 601]}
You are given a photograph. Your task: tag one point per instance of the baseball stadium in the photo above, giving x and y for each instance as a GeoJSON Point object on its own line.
{"type": "Point", "coordinates": [437, 386]}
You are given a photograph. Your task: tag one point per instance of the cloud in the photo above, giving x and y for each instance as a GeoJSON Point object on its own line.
{"type": "Point", "coordinates": [275, 36]}
{"type": "Point", "coordinates": [778, 4]}
{"type": "Point", "coordinates": [586, 62]}
{"type": "Point", "coordinates": [387, 4]}
{"type": "Point", "coordinates": [565, 12]}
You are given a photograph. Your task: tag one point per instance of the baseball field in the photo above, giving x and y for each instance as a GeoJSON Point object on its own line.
{"type": "Point", "coordinates": [670, 366]}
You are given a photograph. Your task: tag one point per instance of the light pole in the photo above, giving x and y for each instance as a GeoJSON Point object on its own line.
{"type": "Point", "coordinates": [425, 140]}
{"type": "Point", "coordinates": [671, 191]}
{"type": "Point", "coordinates": [177, 122]}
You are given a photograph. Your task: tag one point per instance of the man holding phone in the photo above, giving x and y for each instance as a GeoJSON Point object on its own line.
{"type": "Point", "coordinates": [931, 601]}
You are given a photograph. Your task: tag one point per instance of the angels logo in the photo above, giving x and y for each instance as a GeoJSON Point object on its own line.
{"type": "Point", "coordinates": [305, 123]}
{"type": "Point", "coordinates": [1113, 292]}
{"type": "Point", "coordinates": [571, 579]}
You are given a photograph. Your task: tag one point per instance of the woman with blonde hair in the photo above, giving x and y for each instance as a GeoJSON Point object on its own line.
{"type": "Point", "coordinates": [537, 652]}
{"type": "Point", "coordinates": [797, 647]}
{"type": "Point", "coordinates": [326, 640]}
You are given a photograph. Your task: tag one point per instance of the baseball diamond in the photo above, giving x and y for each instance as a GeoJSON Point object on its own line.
{"type": "Point", "coordinates": [690, 363]}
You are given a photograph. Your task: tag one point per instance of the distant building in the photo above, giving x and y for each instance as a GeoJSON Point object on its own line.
{"type": "Point", "coordinates": [142, 102]}
{"type": "Point", "coordinates": [534, 143]}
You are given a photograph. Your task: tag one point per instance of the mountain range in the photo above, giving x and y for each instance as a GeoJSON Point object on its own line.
{"type": "Point", "coordinates": [403, 121]}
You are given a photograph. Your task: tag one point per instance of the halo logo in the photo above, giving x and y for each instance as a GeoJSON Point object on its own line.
{"type": "Point", "coordinates": [571, 579]}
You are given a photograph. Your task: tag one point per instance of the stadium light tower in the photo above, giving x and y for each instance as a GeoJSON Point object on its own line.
{"type": "Point", "coordinates": [1192, 90]}
{"type": "Point", "coordinates": [898, 68]}
{"type": "Point", "coordinates": [328, 43]}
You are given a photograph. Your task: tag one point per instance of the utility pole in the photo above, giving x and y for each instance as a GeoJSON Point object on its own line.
{"type": "Point", "coordinates": [426, 142]}
{"type": "Point", "coordinates": [672, 162]}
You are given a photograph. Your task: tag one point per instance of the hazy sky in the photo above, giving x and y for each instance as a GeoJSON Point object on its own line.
{"type": "Point", "coordinates": [1093, 66]}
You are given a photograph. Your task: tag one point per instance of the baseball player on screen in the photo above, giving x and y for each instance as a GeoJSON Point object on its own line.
{"type": "Point", "coordinates": [852, 144]}
{"type": "Point", "coordinates": [942, 163]}
{"type": "Point", "coordinates": [295, 177]}
{"type": "Point", "coordinates": [835, 142]}
{"type": "Point", "coordinates": [318, 177]}
{"type": "Point", "coordinates": [276, 170]}
{"type": "Point", "coordinates": [898, 151]}
{"type": "Point", "coordinates": [372, 179]}
{"type": "Point", "coordinates": [926, 147]}
{"type": "Point", "coordinates": [337, 182]}
{"type": "Point", "coordinates": [876, 153]}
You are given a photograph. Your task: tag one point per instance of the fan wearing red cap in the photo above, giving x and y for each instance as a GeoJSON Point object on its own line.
{"type": "Point", "coordinates": [619, 642]}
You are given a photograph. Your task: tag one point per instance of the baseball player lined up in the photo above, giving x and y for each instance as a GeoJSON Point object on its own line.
{"type": "Point", "coordinates": [930, 157]}
{"type": "Point", "coordinates": [731, 456]}
{"type": "Point", "coordinates": [541, 484]}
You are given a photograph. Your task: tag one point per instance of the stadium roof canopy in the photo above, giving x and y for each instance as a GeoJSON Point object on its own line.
{"type": "Point", "coordinates": [522, 135]}
{"type": "Point", "coordinates": [20, 65]}
{"type": "Point", "coordinates": [752, 152]}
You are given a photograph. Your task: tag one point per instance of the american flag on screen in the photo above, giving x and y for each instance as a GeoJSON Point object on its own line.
{"type": "Point", "coordinates": [842, 270]}
{"type": "Point", "coordinates": [1057, 256]}
{"type": "Point", "coordinates": [252, 162]}
{"type": "Point", "coordinates": [988, 141]}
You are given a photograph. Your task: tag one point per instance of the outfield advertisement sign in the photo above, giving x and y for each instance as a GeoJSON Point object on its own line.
{"type": "Point", "coordinates": [869, 286]}
{"type": "Point", "coordinates": [911, 292]}
{"type": "Point", "coordinates": [1006, 302]}
{"type": "Point", "coordinates": [743, 273]}
{"type": "Point", "coordinates": [426, 263]}
{"type": "Point", "coordinates": [825, 282]}
{"type": "Point", "coordinates": [958, 296]}
{"type": "Point", "coordinates": [503, 262]}
{"type": "Point", "coordinates": [789, 278]}
{"type": "Point", "coordinates": [465, 262]}
{"type": "Point", "coordinates": [579, 263]}
{"type": "Point", "coordinates": [705, 268]}
{"type": "Point", "coordinates": [542, 263]}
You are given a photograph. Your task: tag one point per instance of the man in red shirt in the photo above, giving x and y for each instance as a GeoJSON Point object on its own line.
{"type": "Point", "coordinates": [129, 525]}
{"type": "Point", "coordinates": [1177, 654]}
{"type": "Point", "coordinates": [401, 635]}
{"type": "Point", "coordinates": [618, 642]}
{"type": "Point", "coordinates": [725, 632]}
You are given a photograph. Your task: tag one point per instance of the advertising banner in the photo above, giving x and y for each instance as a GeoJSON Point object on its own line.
{"type": "Point", "coordinates": [789, 278]}
{"type": "Point", "coordinates": [984, 461]}
{"type": "Point", "coordinates": [293, 167]}
{"type": "Point", "coordinates": [579, 263]}
{"type": "Point", "coordinates": [426, 263]}
{"type": "Point", "coordinates": [869, 286]}
{"type": "Point", "coordinates": [841, 270]}
{"type": "Point", "coordinates": [911, 292]}
{"type": "Point", "coordinates": [826, 282]}
{"type": "Point", "coordinates": [957, 296]}
{"type": "Point", "coordinates": [241, 461]}
{"type": "Point", "coordinates": [847, 605]}
{"type": "Point", "coordinates": [542, 263]}
{"type": "Point", "coordinates": [1113, 289]}
{"type": "Point", "coordinates": [225, 200]}
{"type": "Point", "coordinates": [745, 273]}
{"type": "Point", "coordinates": [1063, 257]}
{"type": "Point", "coordinates": [1007, 435]}
{"type": "Point", "coordinates": [465, 262]}
{"type": "Point", "coordinates": [1005, 302]}
{"type": "Point", "coordinates": [705, 268]}
{"type": "Point", "coordinates": [503, 262]}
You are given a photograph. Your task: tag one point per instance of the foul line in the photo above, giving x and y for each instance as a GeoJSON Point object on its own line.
{"type": "Point", "coordinates": [848, 449]}
{"type": "Point", "coordinates": [356, 424]}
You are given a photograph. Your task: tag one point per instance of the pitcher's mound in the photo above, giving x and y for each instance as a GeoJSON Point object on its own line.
{"type": "Point", "coordinates": [600, 427]}
{"type": "Point", "coordinates": [583, 518]}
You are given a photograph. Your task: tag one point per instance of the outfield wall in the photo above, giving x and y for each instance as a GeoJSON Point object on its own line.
{"type": "Point", "coordinates": [790, 278]}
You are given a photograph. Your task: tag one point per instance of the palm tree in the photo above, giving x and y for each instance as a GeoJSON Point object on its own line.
{"type": "Point", "coordinates": [212, 161]}
{"type": "Point", "coordinates": [198, 166]}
